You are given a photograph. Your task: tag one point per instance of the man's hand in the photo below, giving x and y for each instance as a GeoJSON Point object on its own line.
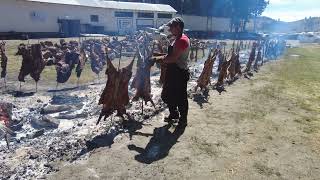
{"type": "Point", "coordinates": [173, 58]}
{"type": "Point", "coordinates": [158, 57]}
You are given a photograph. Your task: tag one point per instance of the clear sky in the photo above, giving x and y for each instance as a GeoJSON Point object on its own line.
{"type": "Point", "coordinates": [291, 10]}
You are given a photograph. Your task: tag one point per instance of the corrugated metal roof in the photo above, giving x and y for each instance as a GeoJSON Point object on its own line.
{"type": "Point", "coordinates": [113, 5]}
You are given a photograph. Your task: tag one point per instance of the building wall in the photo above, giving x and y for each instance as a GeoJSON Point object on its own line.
{"type": "Point", "coordinates": [203, 23]}
{"type": "Point", "coordinates": [15, 15]}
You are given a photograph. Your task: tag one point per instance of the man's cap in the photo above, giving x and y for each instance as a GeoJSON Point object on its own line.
{"type": "Point", "coordinates": [176, 21]}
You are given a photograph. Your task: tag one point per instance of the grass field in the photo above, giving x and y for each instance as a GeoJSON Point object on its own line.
{"type": "Point", "coordinates": [294, 87]}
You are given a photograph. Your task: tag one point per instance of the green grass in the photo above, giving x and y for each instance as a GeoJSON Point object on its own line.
{"type": "Point", "coordinates": [292, 83]}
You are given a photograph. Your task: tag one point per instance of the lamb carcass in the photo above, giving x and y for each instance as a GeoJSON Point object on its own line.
{"type": "Point", "coordinates": [115, 95]}
{"type": "Point", "coordinates": [251, 58]}
{"type": "Point", "coordinates": [232, 67]}
{"type": "Point", "coordinates": [82, 61]}
{"type": "Point", "coordinates": [237, 63]}
{"type": "Point", "coordinates": [141, 82]}
{"type": "Point", "coordinates": [4, 60]}
{"type": "Point", "coordinates": [204, 79]}
{"type": "Point", "coordinates": [97, 58]}
{"type": "Point", "coordinates": [223, 73]}
{"type": "Point", "coordinates": [32, 62]}
{"type": "Point", "coordinates": [258, 59]}
{"type": "Point", "coordinates": [65, 66]}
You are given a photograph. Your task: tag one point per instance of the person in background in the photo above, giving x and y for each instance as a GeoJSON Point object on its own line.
{"type": "Point", "coordinates": [174, 92]}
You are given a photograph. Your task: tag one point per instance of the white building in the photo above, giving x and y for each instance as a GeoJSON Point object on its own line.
{"type": "Point", "coordinates": [204, 23]}
{"type": "Point", "coordinates": [72, 17]}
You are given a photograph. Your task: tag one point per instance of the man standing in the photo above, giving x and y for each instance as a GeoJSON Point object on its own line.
{"type": "Point", "coordinates": [174, 92]}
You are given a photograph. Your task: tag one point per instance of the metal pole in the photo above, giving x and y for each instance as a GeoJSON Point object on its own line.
{"type": "Point", "coordinates": [182, 3]}
{"type": "Point", "coordinates": [142, 106]}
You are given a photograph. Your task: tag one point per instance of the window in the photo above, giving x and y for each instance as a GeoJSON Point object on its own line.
{"type": "Point", "coordinates": [145, 15]}
{"type": "Point", "coordinates": [167, 16]}
{"type": "Point", "coordinates": [94, 18]}
{"type": "Point", "coordinates": [123, 14]}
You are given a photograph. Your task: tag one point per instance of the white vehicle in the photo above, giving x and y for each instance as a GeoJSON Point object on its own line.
{"type": "Point", "coordinates": [309, 37]}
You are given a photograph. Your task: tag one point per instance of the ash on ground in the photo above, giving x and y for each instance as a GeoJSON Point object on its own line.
{"type": "Point", "coordinates": [61, 125]}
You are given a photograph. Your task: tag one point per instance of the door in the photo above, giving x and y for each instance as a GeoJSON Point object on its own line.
{"type": "Point", "coordinates": [143, 23]}
{"type": "Point", "coordinates": [125, 26]}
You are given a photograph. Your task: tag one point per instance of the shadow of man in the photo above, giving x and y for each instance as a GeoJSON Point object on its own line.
{"type": "Point", "coordinates": [201, 98]}
{"type": "Point", "coordinates": [159, 145]}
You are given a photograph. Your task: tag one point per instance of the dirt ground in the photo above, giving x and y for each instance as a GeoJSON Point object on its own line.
{"type": "Point", "coordinates": [262, 128]}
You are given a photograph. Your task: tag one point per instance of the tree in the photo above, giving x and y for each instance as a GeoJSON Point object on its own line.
{"type": "Point", "coordinates": [242, 11]}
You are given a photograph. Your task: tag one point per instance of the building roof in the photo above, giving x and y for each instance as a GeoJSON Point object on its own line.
{"type": "Point", "coordinates": [113, 5]}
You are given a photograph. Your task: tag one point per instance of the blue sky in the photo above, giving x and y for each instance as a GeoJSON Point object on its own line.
{"type": "Point", "coordinates": [291, 10]}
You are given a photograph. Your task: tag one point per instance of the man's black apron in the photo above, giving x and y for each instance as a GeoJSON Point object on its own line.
{"type": "Point", "coordinates": [174, 91]}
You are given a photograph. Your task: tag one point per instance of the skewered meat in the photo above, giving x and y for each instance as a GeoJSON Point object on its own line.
{"type": "Point", "coordinates": [115, 95]}
{"type": "Point", "coordinates": [32, 62]}
{"type": "Point", "coordinates": [251, 58]}
{"type": "Point", "coordinates": [97, 57]}
{"type": "Point", "coordinates": [159, 57]}
{"type": "Point", "coordinates": [204, 79]}
{"type": "Point", "coordinates": [220, 59]}
{"type": "Point", "coordinates": [82, 61]}
{"type": "Point", "coordinates": [46, 44]}
{"type": "Point", "coordinates": [232, 67]}
{"type": "Point", "coordinates": [4, 60]}
{"type": "Point", "coordinates": [141, 82]}
{"type": "Point", "coordinates": [238, 64]}
{"type": "Point", "coordinates": [65, 66]}
{"type": "Point", "coordinates": [258, 59]}
{"type": "Point", "coordinates": [222, 75]}
{"type": "Point", "coordinates": [26, 66]}
{"type": "Point", "coordinates": [38, 62]}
